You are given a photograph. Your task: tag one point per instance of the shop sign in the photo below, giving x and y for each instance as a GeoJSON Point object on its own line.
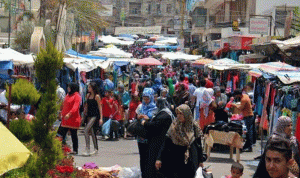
{"type": "Point", "coordinates": [240, 43]}
{"type": "Point", "coordinates": [214, 45]}
{"type": "Point", "coordinates": [259, 26]}
{"type": "Point", "coordinates": [138, 30]}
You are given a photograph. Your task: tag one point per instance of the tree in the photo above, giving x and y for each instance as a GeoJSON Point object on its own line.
{"type": "Point", "coordinates": [87, 18]}
{"type": "Point", "coordinates": [23, 92]}
{"type": "Point", "coordinates": [47, 63]}
{"type": "Point", "coordinates": [296, 20]}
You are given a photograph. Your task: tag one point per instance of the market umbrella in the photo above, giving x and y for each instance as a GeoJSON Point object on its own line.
{"type": "Point", "coordinates": [149, 62]}
{"type": "Point", "coordinates": [148, 43]}
{"type": "Point", "coordinates": [13, 154]}
{"type": "Point", "coordinates": [203, 61]}
{"type": "Point", "coordinates": [151, 50]}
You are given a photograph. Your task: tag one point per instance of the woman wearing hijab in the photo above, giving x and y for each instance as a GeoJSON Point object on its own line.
{"type": "Point", "coordinates": [181, 154]}
{"type": "Point", "coordinates": [71, 119]}
{"type": "Point", "coordinates": [156, 128]}
{"type": "Point", "coordinates": [171, 87]}
{"type": "Point", "coordinates": [165, 94]}
{"type": "Point", "coordinates": [283, 130]}
{"type": "Point", "coordinates": [145, 111]}
{"type": "Point", "coordinates": [207, 107]}
{"type": "Point", "coordinates": [221, 100]}
{"type": "Point", "coordinates": [181, 95]}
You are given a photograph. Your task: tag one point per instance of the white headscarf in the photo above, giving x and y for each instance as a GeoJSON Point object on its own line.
{"type": "Point", "coordinates": [206, 100]}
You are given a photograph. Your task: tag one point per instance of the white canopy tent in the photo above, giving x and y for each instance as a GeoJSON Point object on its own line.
{"type": "Point", "coordinates": [228, 64]}
{"type": "Point", "coordinates": [284, 45]}
{"type": "Point", "coordinates": [179, 56]}
{"type": "Point", "coordinates": [111, 53]}
{"type": "Point", "coordinates": [88, 65]}
{"type": "Point", "coordinates": [114, 40]}
{"type": "Point", "coordinates": [166, 41]}
{"type": "Point", "coordinates": [17, 57]}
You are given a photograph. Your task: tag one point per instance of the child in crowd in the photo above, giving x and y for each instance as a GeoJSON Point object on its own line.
{"type": "Point", "coordinates": [236, 171]}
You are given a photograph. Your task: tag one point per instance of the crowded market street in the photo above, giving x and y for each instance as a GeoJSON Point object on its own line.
{"type": "Point", "coordinates": [125, 153]}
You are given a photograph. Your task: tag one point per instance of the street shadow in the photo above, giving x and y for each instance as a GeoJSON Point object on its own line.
{"type": "Point", "coordinates": [220, 160]}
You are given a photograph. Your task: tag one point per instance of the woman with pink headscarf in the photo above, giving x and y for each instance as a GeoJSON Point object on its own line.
{"type": "Point", "coordinates": [207, 107]}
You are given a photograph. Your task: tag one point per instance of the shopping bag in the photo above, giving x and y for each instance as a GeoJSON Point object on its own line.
{"type": "Point", "coordinates": [202, 173]}
{"type": "Point", "coordinates": [137, 129]}
{"type": "Point", "coordinates": [106, 127]}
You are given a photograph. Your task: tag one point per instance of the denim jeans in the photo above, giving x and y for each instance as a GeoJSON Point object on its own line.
{"type": "Point", "coordinates": [249, 122]}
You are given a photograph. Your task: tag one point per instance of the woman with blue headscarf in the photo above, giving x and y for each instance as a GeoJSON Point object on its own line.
{"type": "Point", "coordinates": [145, 111]}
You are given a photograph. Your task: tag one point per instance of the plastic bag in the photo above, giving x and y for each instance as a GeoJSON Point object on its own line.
{"type": "Point", "coordinates": [201, 173]}
{"type": "Point", "coordinates": [133, 172]}
{"type": "Point", "coordinates": [106, 127]}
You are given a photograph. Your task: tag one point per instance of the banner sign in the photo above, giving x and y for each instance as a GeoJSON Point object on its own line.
{"type": "Point", "coordinates": [259, 26]}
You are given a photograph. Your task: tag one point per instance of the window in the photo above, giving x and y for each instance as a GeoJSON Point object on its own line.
{"type": "Point", "coordinates": [169, 8]}
{"type": "Point", "coordinates": [149, 8]}
{"type": "Point", "coordinates": [158, 8]}
{"type": "Point", "coordinates": [135, 8]}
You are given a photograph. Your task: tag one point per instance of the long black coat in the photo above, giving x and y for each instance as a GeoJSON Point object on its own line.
{"type": "Point", "coordinates": [156, 133]}
{"type": "Point", "coordinates": [172, 157]}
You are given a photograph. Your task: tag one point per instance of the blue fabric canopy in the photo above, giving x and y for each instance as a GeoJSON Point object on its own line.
{"type": "Point", "coordinates": [4, 67]}
{"type": "Point", "coordinates": [121, 63]}
{"type": "Point", "coordinates": [74, 53]}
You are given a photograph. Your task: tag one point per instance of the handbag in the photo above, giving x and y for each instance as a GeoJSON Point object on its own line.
{"type": "Point", "coordinates": [137, 129]}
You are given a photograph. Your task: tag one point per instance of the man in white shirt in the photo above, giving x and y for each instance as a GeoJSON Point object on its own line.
{"type": "Point", "coordinates": [198, 94]}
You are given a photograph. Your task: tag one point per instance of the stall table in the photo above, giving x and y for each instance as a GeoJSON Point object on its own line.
{"type": "Point", "coordinates": [232, 139]}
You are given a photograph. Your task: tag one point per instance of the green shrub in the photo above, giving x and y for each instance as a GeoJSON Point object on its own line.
{"type": "Point", "coordinates": [21, 129]}
{"type": "Point", "coordinates": [23, 92]}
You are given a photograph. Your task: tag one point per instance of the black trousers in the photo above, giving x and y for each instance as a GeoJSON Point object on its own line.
{"type": "Point", "coordinates": [143, 151]}
{"type": "Point", "coordinates": [74, 136]}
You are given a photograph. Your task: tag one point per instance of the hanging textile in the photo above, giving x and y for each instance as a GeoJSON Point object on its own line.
{"type": "Point", "coordinates": [264, 117]}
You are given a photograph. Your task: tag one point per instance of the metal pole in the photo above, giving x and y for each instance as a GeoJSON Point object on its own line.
{"type": "Point", "coordinates": [9, 24]}
{"type": "Point", "coordinates": [182, 19]}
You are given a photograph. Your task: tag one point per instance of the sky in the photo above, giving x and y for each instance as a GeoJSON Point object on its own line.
{"type": "Point", "coordinates": [264, 5]}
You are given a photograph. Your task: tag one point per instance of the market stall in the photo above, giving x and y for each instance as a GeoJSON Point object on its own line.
{"type": "Point", "coordinates": [276, 94]}
{"type": "Point", "coordinates": [230, 74]}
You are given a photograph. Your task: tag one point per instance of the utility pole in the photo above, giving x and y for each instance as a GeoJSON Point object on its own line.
{"type": "Point", "coordinates": [9, 23]}
{"type": "Point", "coordinates": [181, 33]}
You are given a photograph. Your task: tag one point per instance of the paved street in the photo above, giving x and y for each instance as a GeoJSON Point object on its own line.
{"type": "Point", "coordinates": [125, 153]}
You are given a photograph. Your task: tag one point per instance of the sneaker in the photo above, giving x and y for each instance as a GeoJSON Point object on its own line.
{"type": "Point", "coordinates": [94, 152]}
{"type": "Point", "coordinates": [87, 152]}
{"type": "Point", "coordinates": [73, 153]}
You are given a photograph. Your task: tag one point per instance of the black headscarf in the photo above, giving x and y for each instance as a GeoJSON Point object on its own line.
{"type": "Point", "coordinates": [162, 103]}
{"type": "Point", "coordinates": [74, 87]}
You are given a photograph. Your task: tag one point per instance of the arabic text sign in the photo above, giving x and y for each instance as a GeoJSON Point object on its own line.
{"type": "Point", "coordinates": [259, 26]}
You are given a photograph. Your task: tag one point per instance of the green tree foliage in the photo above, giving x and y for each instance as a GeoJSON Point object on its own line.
{"type": "Point", "coordinates": [23, 36]}
{"type": "Point", "coordinates": [21, 129]}
{"type": "Point", "coordinates": [88, 18]}
{"type": "Point", "coordinates": [23, 92]}
{"type": "Point", "coordinates": [47, 63]}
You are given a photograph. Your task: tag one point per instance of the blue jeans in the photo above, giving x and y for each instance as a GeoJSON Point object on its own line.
{"type": "Point", "coordinates": [197, 113]}
{"type": "Point", "coordinates": [249, 122]}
